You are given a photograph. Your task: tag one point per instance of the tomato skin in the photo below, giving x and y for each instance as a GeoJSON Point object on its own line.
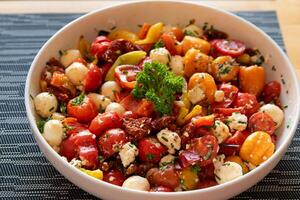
{"type": "Point", "coordinates": [89, 156]}
{"type": "Point", "coordinates": [188, 158]}
{"type": "Point", "coordinates": [231, 48]}
{"type": "Point", "coordinates": [67, 148]}
{"type": "Point", "coordinates": [207, 183]}
{"type": "Point", "coordinates": [228, 111]}
{"type": "Point", "coordinates": [142, 108]}
{"type": "Point", "coordinates": [100, 45]}
{"type": "Point", "coordinates": [111, 141]}
{"type": "Point", "coordinates": [161, 189]}
{"type": "Point", "coordinates": [271, 91]}
{"type": "Point", "coordinates": [230, 93]}
{"type": "Point", "coordinates": [233, 144]}
{"type": "Point", "coordinates": [169, 41]}
{"type": "Point", "coordinates": [150, 150]}
{"type": "Point", "coordinates": [119, 96]}
{"type": "Point", "coordinates": [84, 112]}
{"type": "Point", "coordinates": [178, 33]}
{"type": "Point", "coordinates": [203, 120]}
{"type": "Point", "coordinates": [125, 75]}
{"type": "Point", "coordinates": [115, 177]}
{"type": "Point", "coordinates": [166, 177]}
{"type": "Point", "coordinates": [93, 78]}
{"type": "Point", "coordinates": [73, 126]}
{"type": "Point", "coordinates": [105, 68]}
{"type": "Point", "coordinates": [144, 30]}
{"type": "Point", "coordinates": [261, 122]}
{"type": "Point", "coordinates": [104, 121]}
{"type": "Point", "coordinates": [248, 102]}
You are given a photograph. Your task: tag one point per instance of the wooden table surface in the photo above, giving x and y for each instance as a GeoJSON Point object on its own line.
{"type": "Point", "coordinates": [288, 12]}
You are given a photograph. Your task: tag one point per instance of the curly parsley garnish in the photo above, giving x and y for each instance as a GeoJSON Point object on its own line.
{"type": "Point", "coordinates": [78, 100]}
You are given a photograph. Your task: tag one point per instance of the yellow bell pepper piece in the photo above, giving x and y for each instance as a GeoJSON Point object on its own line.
{"type": "Point", "coordinates": [153, 34]}
{"type": "Point", "coordinates": [98, 174]}
{"type": "Point", "coordinates": [186, 100]}
{"type": "Point", "coordinates": [197, 110]}
{"type": "Point", "coordinates": [131, 58]}
{"type": "Point", "coordinates": [123, 34]}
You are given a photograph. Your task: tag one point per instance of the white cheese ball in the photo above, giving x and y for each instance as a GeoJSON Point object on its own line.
{"type": "Point", "coordinates": [193, 30]}
{"type": "Point", "coordinates": [166, 160]}
{"type": "Point", "coordinates": [45, 104]}
{"type": "Point", "coordinates": [99, 100]}
{"type": "Point", "coordinates": [176, 65]}
{"type": "Point", "coordinates": [109, 88]}
{"type": "Point", "coordinates": [218, 161]}
{"type": "Point", "coordinates": [128, 153]}
{"type": "Point", "coordinates": [53, 132]}
{"type": "Point", "coordinates": [237, 121]}
{"type": "Point", "coordinates": [137, 183]}
{"type": "Point", "coordinates": [170, 139]}
{"type": "Point", "coordinates": [58, 116]}
{"type": "Point", "coordinates": [115, 107]}
{"type": "Point", "coordinates": [221, 131]}
{"type": "Point", "coordinates": [69, 57]}
{"type": "Point", "coordinates": [161, 55]}
{"type": "Point", "coordinates": [219, 95]}
{"type": "Point", "coordinates": [275, 112]}
{"type": "Point", "coordinates": [76, 72]}
{"type": "Point", "coordinates": [196, 94]}
{"type": "Point", "coordinates": [227, 172]}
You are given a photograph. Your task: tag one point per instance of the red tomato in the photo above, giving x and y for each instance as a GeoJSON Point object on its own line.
{"type": "Point", "coordinates": [231, 48]}
{"type": "Point", "coordinates": [178, 33]}
{"type": "Point", "coordinates": [100, 45]}
{"type": "Point", "coordinates": [89, 156]}
{"type": "Point", "coordinates": [114, 176]}
{"type": "Point", "coordinates": [142, 108]}
{"type": "Point", "coordinates": [161, 189]}
{"type": "Point", "coordinates": [141, 64]}
{"type": "Point", "coordinates": [150, 150]}
{"type": "Point", "coordinates": [170, 42]}
{"type": "Point", "coordinates": [213, 51]}
{"type": "Point", "coordinates": [125, 75]}
{"type": "Point", "coordinates": [105, 68]}
{"type": "Point", "coordinates": [166, 176]}
{"type": "Point", "coordinates": [72, 126]}
{"type": "Point", "coordinates": [271, 91]}
{"type": "Point", "coordinates": [248, 102]}
{"type": "Point", "coordinates": [230, 93]}
{"type": "Point", "coordinates": [111, 141]}
{"type": "Point", "coordinates": [105, 121]}
{"type": "Point", "coordinates": [144, 30]}
{"type": "Point", "coordinates": [82, 108]}
{"type": "Point", "coordinates": [207, 183]}
{"type": "Point", "coordinates": [261, 122]}
{"type": "Point", "coordinates": [203, 120]}
{"type": "Point", "coordinates": [119, 96]}
{"type": "Point", "coordinates": [81, 60]}
{"type": "Point", "coordinates": [130, 114]}
{"type": "Point", "coordinates": [228, 111]}
{"type": "Point", "coordinates": [232, 145]}
{"type": "Point", "coordinates": [68, 148]}
{"type": "Point", "coordinates": [93, 78]}
{"type": "Point", "coordinates": [188, 158]}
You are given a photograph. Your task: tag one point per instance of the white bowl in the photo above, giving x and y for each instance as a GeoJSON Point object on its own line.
{"type": "Point", "coordinates": [129, 15]}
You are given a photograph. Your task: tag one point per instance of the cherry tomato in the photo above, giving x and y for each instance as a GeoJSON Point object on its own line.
{"type": "Point", "coordinates": [100, 45]}
{"type": "Point", "coordinates": [82, 108]}
{"type": "Point", "coordinates": [248, 102]}
{"type": "Point", "coordinates": [105, 68]}
{"type": "Point", "coordinates": [93, 78]}
{"type": "Point", "coordinates": [228, 111]}
{"type": "Point", "coordinates": [68, 148]}
{"type": "Point", "coordinates": [261, 122]}
{"type": "Point", "coordinates": [125, 75]}
{"type": "Point", "coordinates": [161, 189]}
{"type": "Point", "coordinates": [188, 158]}
{"type": "Point", "coordinates": [203, 120]}
{"type": "Point", "coordinates": [230, 93]}
{"type": "Point", "coordinates": [271, 91]}
{"type": "Point", "coordinates": [115, 177]}
{"type": "Point", "coordinates": [112, 141]}
{"type": "Point", "coordinates": [165, 176]}
{"type": "Point", "coordinates": [231, 48]}
{"type": "Point", "coordinates": [129, 114]}
{"type": "Point", "coordinates": [89, 156]}
{"type": "Point", "coordinates": [150, 150]}
{"type": "Point", "coordinates": [232, 145]}
{"type": "Point", "coordinates": [142, 108]}
{"type": "Point", "coordinates": [72, 126]}
{"type": "Point", "coordinates": [178, 33]}
{"type": "Point", "coordinates": [105, 121]}
{"type": "Point", "coordinates": [170, 42]}
{"type": "Point", "coordinates": [144, 30]}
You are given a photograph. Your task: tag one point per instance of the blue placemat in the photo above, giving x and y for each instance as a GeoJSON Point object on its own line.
{"type": "Point", "coordinates": [26, 173]}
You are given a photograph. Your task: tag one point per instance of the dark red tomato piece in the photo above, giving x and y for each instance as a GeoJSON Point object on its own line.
{"type": "Point", "coordinates": [141, 107]}
{"type": "Point", "coordinates": [207, 172]}
{"type": "Point", "coordinates": [125, 75]}
{"type": "Point", "coordinates": [178, 33]}
{"type": "Point", "coordinates": [248, 102]}
{"type": "Point", "coordinates": [166, 176]}
{"type": "Point", "coordinates": [228, 111]}
{"type": "Point", "coordinates": [261, 122]}
{"type": "Point", "coordinates": [105, 68]}
{"type": "Point", "coordinates": [170, 42]}
{"type": "Point", "coordinates": [231, 48]}
{"type": "Point", "coordinates": [271, 91]}
{"type": "Point", "coordinates": [150, 150]}
{"type": "Point", "coordinates": [161, 189]}
{"type": "Point", "coordinates": [119, 96]}
{"type": "Point", "coordinates": [230, 93]}
{"type": "Point", "coordinates": [100, 45]}
{"type": "Point", "coordinates": [68, 148]}
{"type": "Point", "coordinates": [188, 158]}
{"type": "Point", "coordinates": [93, 78]}
{"type": "Point", "coordinates": [206, 147]}
{"type": "Point", "coordinates": [104, 121]}
{"type": "Point", "coordinates": [72, 126]}
{"type": "Point", "coordinates": [129, 114]}
{"type": "Point", "coordinates": [114, 176]}
{"type": "Point", "coordinates": [82, 108]}
{"type": "Point", "coordinates": [232, 145]}
{"type": "Point", "coordinates": [141, 64]}
{"type": "Point", "coordinates": [89, 156]}
{"type": "Point", "coordinates": [111, 141]}
{"type": "Point", "coordinates": [207, 183]}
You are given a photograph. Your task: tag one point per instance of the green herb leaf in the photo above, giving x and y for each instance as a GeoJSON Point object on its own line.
{"type": "Point", "coordinates": [158, 44]}
{"type": "Point", "coordinates": [150, 156]}
{"type": "Point", "coordinates": [190, 33]}
{"type": "Point", "coordinates": [196, 168]}
{"type": "Point", "coordinates": [63, 108]}
{"type": "Point", "coordinates": [78, 100]}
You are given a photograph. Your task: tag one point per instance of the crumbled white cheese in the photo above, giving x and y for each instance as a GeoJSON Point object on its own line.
{"type": "Point", "coordinates": [128, 153]}
{"type": "Point", "coordinates": [99, 100]}
{"type": "Point", "coordinates": [237, 121]}
{"type": "Point", "coordinates": [161, 55]}
{"type": "Point", "coordinates": [275, 113]}
{"type": "Point", "coordinates": [221, 131]}
{"type": "Point", "coordinates": [219, 96]}
{"type": "Point", "coordinates": [176, 65]}
{"type": "Point", "coordinates": [170, 139]}
{"type": "Point", "coordinates": [218, 161]}
{"type": "Point", "coordinates": [196, 94]}
{"type": "Point", "coordinates": [166, 160]}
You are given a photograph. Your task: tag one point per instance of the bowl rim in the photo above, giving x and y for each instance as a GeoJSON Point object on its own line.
{"type": "Point", "coordinates": [47, 149]}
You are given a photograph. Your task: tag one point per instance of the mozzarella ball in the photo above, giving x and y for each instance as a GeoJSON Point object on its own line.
{"type": "Point", "coordinates": [58, 116]}
{"type": "Point", "coordinates": [99, 100]}
{"type": "Point", "coordinates": [45, 104]}
{"type": "Point", "coordinates": [76, 72]}
{"type": "Point", "coordinates": [218, 161]}
{"type": "Point", "coordinates": [161, 55]}
{"type": "Point", "coordinates": [237, 121]}
{"type": "Point", "coordinates": [219, 95]}
{"type": "Point", "coordinates": [221, 131]}
{"type": "Point", "coordinates": [53, 132]}
{"type": "Point", "coordinates": [137, 183]}
{"type": "Point", "coordinates": [227, 172]}
{"type": "Point", "coordinates": [196, 94]}
{"type": "Point", "coordinates": [176, 65]}
{"type": "Point", "coordinates": [69, 57]}
{"type": "Point", "coordinates": [275, 112]}
{"type": "Point", "coordinates": [193, 30]}
{"type": "Point", "coordinates": [109, 88]}
{"type": "Point", "coordinates": [170, 139]}
{"type": "Point", "coordinates": [128, 153]}
{"type": "Point", "coordinates": [166, 160]}
{"type": "Point", "coordinates": [116, 107]}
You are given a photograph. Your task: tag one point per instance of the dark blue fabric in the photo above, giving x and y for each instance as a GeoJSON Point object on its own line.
{"type": "Point", "coordinates": [26, 173]}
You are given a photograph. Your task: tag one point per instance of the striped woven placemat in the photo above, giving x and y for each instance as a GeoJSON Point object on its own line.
{"type": "Point", "coordinates": [26, 173]}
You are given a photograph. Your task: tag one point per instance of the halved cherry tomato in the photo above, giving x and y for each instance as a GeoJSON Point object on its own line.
{"type": "Point", "coordinates": [231, 48]}
{"type": "Point", "coordinates": [188, 158]}
{"type": "Point", "coordinates": [177, 32]}
{"type": "Point", "coordinates": [93, 78]}
{"type": "Point", "coordinates": [89, 156]}
{"type": "Point", "coordinates": [203, 120]}
{"type": "Point", "coordinates": [271, 91]}
{"type": "Point", "coordinates": [141, 107]}
{"type": "Point", "coordinates": [82, 108]}
{"type": "Point", "coordinates": [105, 68]}
{"type": "Point", "coordinates": [125, 75]}
{"type": "Point", "coordinates": [150, 150]}
{"type": "Point", "coordinates": [119, 96]}
{"type": "Point", "coordinates": [144, 30]}
{"type": "Point", "coordinates": [81, 60]}
{"type": "Point", "coordinates": [228, 111]}
{"type": "Point", "coordinates": [230, 92]}
{"type": "Point", "coordinates": [161, 189]}
{"type": "Point", "coordinates": [166, 176]}
{"type": "Point", "coordinates": [72, 126]}
{"type": "Point", "coordinates": [105, 121]}
{"type": "Point", "coordinates": [112, 141]}
{"type": "Point", "coordinates": [233, 144]}
{"type": "Point", "coordinates": [115, 177]}
{"type": "Point", "coordinates": [170, 42]}
{"type": "Point", "coordinates": [248, 102]}
{"type": "Point", "coordinates": [100, 45]}
{"type": "Point", "coordinates": [261, 122]}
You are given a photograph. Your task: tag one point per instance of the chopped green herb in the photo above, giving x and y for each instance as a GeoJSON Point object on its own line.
{"type": "Point", "coordinates": [286, 106]}
{"type": "Point", "coordinates": [78, 100]}
{"type": "Point", "coordinates": [101, 110]}
{"type": "Point", "coordinates": [113, 28]}
{"type": "Point", "coordinates": [51, 109]}
{"type": "Point", "coordinates": [164, 138]}
{"type": "Point", "coordinates": [217, 177]}
{"type": "Point", "coordinates": [224, 69]}
{"type": "Point", "coordinates": [101, 158]}
{"type": "Point", "coordinates": [282, 81]}
{"type": "Point", "coordinates": [288, 126]}
{"type": "Point", "coordinates": [60, 52]}
{"type": "Point", "coordinates": [209, 153]}
{"type": "Point", "coordinates": [241, 122]}
{"type": "Point", "coordinates": [190, 33]}
{"type": "Point", "coordinates": [140, 25]}
{"type": "Point", "coordinates": [31, 97]}
{"type": "Point", "coordinates": [192, 21]}
{"type": "Point", "coordinates": [205, 26]}
{"type": "Point", "coordinates": [273, 68]}
{"type": "Point", "coordinates": [150, 156]}
{"type": "Point", "coordinates": [158, 44]}
{"type": "Point", "coordinates": [69, 128]}
{"type": "Point", "coordinates": [181, 180]}
{"type": "Point", "coordinates": [196, 168]}
{"type": "Point", "coordinates": [63, 108]}
{"type": "Point", "coordinates": [41, 124]}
